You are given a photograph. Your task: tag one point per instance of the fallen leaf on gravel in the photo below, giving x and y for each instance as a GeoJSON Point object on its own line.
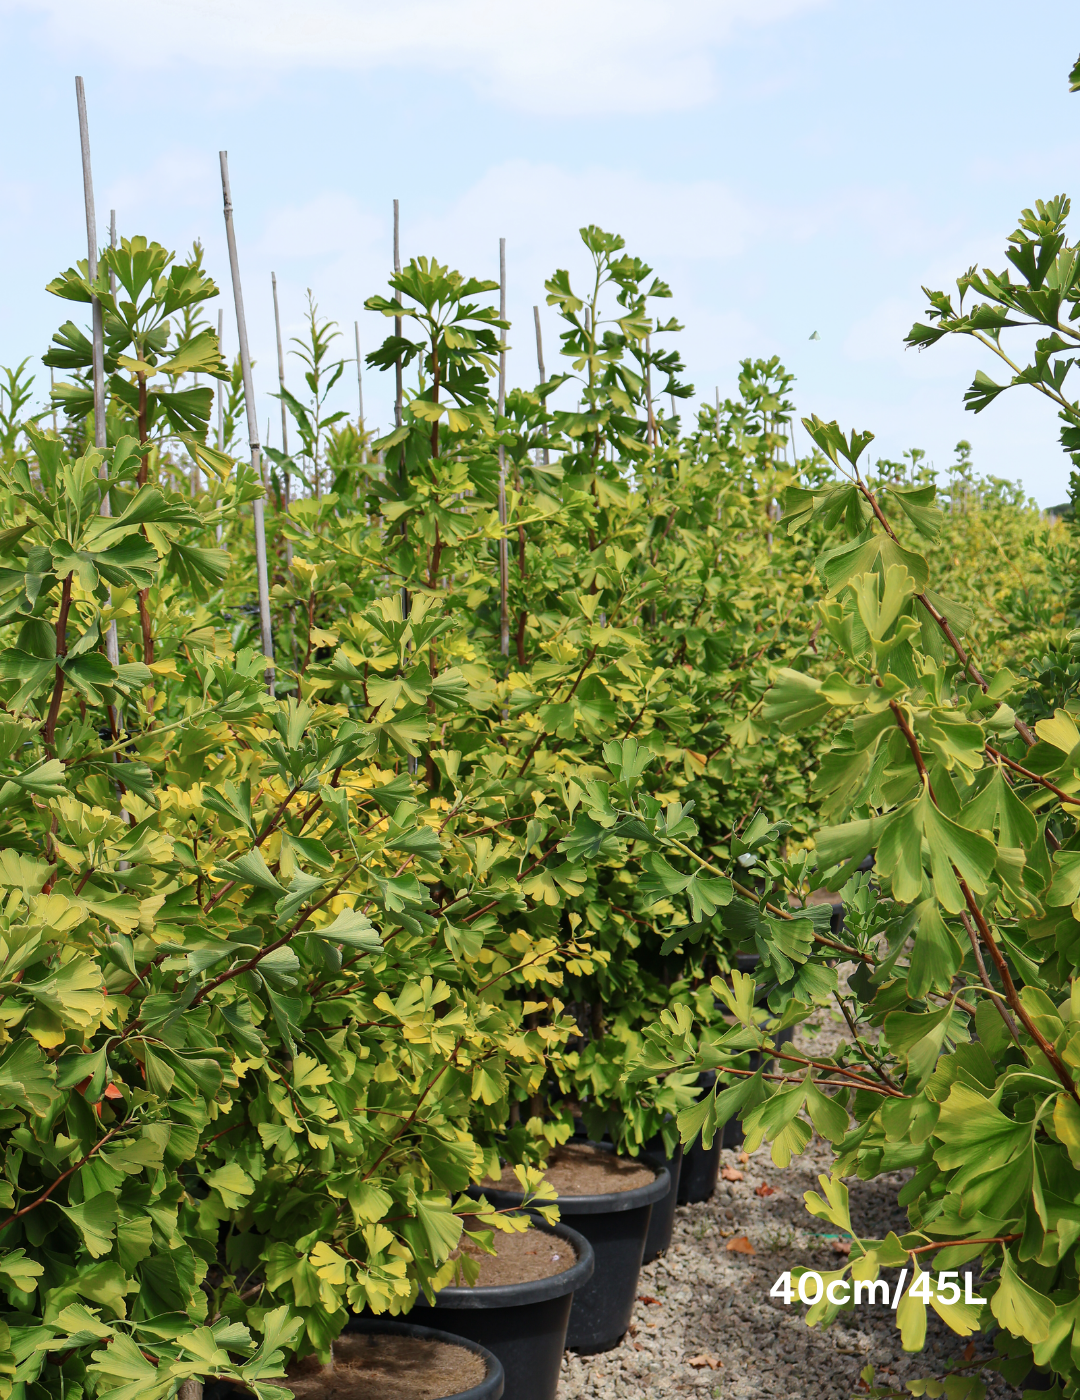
{"type": "Point", "coordinates": [700, 1362]}
{"type": "Point", "coordinates": [765, 1190]}
{"type": "Point", "coordinates": [731, 1174]}
{"type": "Point", "coordinates": [647, 1298]}
{"type": "Point", "coordinates": [740, 1245]}
{"type": "Point", "coordinates": [969, 1353]}
{"type": "Point", "coordinates": [841, 1246]}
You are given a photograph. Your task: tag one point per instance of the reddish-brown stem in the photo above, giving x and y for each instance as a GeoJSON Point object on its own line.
{"type": "Point", "coordinates": [470, 917]}
{"type": "Point", "coordinates": [540, 737]}
{"type": "Point", "coordinates": [1032, 777]}
{"type": "Point", "coordinates": [818, 937]}
{"type": "Point", "coordinates": [858, 1041]}
{"type": "Point", "coordinates": [272, 947]}
{"type": "Point", "coordinates": [61, 1179]}
{"type": "Point", "coordinates": [310, 625]}
{"type": "Point", "coordinates": [1011, 995]}
{"type": "Point", "coordinates": [969, 666]}
{"type": "Point", "coordinates": [49, 728]}
{"type": "Point", "coordinates": [987, 937]}
{"type": "Point", "coordinates": [955, 1244]}
{"type": "Point", "coordinates": [797, 1079]}
{"type": "Point", "coordinates": [451, 1059]}
{"type": "Point", "coordinates": [984, 978]}
{"type": "Point", "coordinates": [145, 625]}
{"type": "Point", "coordinates": [849, 1074]}
{"type": "Point", "coordinates": [267, 830]}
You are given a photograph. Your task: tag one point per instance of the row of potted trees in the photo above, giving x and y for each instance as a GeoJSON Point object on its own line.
{"type": "Point", "coordinates": [296, 957]}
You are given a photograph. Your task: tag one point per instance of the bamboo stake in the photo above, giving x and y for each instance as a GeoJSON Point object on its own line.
{"type": "Point", "coordinates": [219, 394]}
{"type": "Point", "coordinates": [398, 399]}
{"type": "Point", "coordinates": [220, 391]}
{"type": "Point", "coordinates": [112, 244]}
{"type": "Point", "coordinates": [504, 561]}
{"type": "Point", "coordinates": [196, 485]}
{"type": "Point", "coordinates": [360, 386]}
{"type": "Point", "coordinates": [112, 645]}
{"type": "Point", "coordinates": [98, 360]}
{"type": "Point", "coordinates": [280, 371]}
{"type": "Point", "coordinates": [540, 365]}
{"type": "Point", "coordinates": [252, 425]}
{"type": "Point", "coordinates": [284, 415]}
{"type": "Point", "coordinates": [398, 402]}
{"type": "Point", "coordinates": [397, 319]}
{"type": "Point", "coordinates": [648, 392]}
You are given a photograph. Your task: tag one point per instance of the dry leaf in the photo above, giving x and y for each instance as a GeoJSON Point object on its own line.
{"type": "Point", "coordinates": [732, 1174]}
{"type": "Point", "coordinates": [744, 1157]}
{"type": "Point", "coordinates": [740, 1245]}
{"type": "Point", "coordinates": [969, 1353]}
{"type": "Point", "coordinates": [700, 1362]}
{"type": "Point", "coordinates": [841, 1246]}
{"type": "Point", "coordinates": [765, 1190]}
{"type": "Point", "coordinates": [648, 1298]}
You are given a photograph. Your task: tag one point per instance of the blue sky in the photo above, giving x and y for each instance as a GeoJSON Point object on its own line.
{"type": "Point", "coordinates": [788, 166]}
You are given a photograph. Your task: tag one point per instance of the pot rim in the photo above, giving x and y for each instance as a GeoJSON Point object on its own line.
{"type": "Point", "coordinates": [605, 1203]}
{"type": "Point", "coordinates": [400, 1328]}
{"type": "Point", "coordinates": [537, 1290]}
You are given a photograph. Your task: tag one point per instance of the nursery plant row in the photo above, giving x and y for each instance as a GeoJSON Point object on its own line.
{"type": "Point", "coordinates": [381, 944]}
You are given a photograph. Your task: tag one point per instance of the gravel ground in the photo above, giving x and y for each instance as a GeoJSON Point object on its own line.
{"type": "Point", "coordinates": [704, 1323]}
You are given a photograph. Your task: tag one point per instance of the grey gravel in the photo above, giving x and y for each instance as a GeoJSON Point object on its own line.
{"type": "Point", "coordinates": [713, 1306]}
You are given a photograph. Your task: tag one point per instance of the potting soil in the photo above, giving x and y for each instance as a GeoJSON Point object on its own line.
{"type": "Point", "coordinates": [580, 1170]}
{"type": "Point", "coordinates": [374, 1366]}
{"type": "Point", "coordinates": [520, 1258]}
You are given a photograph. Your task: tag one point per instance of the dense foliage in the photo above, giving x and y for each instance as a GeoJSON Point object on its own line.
{"type": "Point", "coordinates": [284, 973]}
{"type": "Point", "coordinates": [953, 766]}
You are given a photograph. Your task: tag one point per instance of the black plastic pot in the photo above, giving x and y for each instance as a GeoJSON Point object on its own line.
{"type": "Point", "coordinates": [697, 1179]}
{"type": "Point", "coordinates": [523, 1324]}
{"type": "Point", "coordinates": [490, 1388]}
{"type": "Point", "coordinates": [662, 1220]}
{"type": "Point", "coordinates": [615, 1224]}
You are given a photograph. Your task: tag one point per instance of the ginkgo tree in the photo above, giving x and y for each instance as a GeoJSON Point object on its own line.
{"type": "Point", "coordinates": [285, 975]}
{"type": "Point", "coordinates": [962, 1064]}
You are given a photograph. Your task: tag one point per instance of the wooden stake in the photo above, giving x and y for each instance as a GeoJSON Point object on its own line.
{"type": "Point", "coordinates": [398, 399]}
{"type": "Point", "coordinates": [360, 385]}
{"type": "Point", "coordinates": [112, 645]}
{"type": "Point", "coordinates": [220, 391]}
{"type": "Point", "coordinates": [648, 392]}
{"type": "Point", "coordinates": [397, 319]}
{"type": "Point", "coordinates": [92, 268]}
{"type": "Point", "coordinates": [219, 394]}
{"type": "Point", "coordinates": [504, 563]}
{"type": "Point", "coordinates": [280, 375]}
{"type": "Point", "coordinates": [112, 244]}
{"type": "Point", "coordinates": [540, 365]}
{"type": "Point", "coordinates": [252, 426]}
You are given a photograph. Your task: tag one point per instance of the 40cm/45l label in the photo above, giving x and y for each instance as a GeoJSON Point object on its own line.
{"type": "Point", "coordinates": [811, 1288]}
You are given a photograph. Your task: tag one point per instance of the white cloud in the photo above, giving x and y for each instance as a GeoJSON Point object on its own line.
{"type": "Point", "coordinates": [576, 56]}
